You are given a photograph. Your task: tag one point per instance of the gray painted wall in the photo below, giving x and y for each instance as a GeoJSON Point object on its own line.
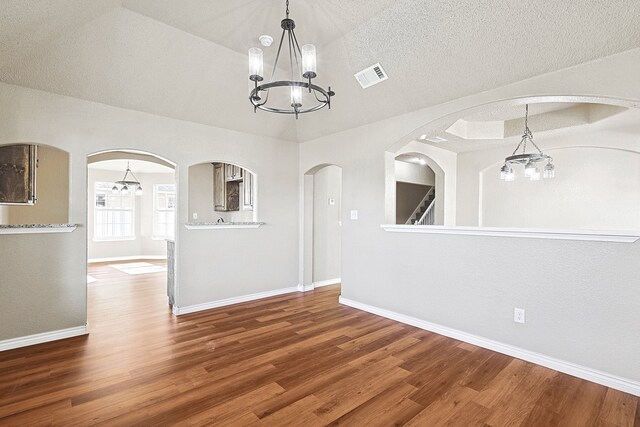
{"type": "Point", "coordinates": [581, 298]}
{"type": "Point", "coordinates": [40, 270]}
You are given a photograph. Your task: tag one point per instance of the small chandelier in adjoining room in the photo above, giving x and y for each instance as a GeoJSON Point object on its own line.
{"type": "Point", "coordinates": [529, 160]}
{"type": "Point", "coordinates": [127, 185]}
{"type": "Point", "coordinates": [302, 69]}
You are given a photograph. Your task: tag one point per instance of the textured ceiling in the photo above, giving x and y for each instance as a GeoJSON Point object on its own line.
{"type": "Point", "coordinates": [187, 59]}
{"type": "Point", "coordinates": [237, 24]}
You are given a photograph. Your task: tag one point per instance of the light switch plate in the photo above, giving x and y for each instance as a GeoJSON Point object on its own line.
{"type": "Point", "coordinates": [332, 202]}
{"type": "Point", "coordinates": [354, 214]}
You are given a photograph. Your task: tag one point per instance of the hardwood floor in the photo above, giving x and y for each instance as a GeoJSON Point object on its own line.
{"type": "Point", "coordinates": [296, 359]}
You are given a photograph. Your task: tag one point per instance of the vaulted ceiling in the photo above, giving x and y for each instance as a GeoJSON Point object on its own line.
{"type": "Point", "coordinates": [187, 59]}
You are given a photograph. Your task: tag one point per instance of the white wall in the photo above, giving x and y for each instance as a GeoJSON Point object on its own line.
{"type": "Point", "coordinates": [594, 188]}
{"type": "Point", "coordinates": [44, 276]}
{"type": "Point", "coordinates": [582, 305]}
{"type": "Point", "coordinates": [414, 173]}
{"type": "Point", "coordinates": [143, 244]}
{"type": "Point", "coordinates": [327, 184]}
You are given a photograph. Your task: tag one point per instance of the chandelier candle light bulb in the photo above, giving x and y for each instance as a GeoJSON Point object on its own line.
{"type": "Point", "coordinates": [256, 63]}
{"type": "Point", "coordinates": [308, 61]}
{"type": "Point", "coordinates": [296, 96]}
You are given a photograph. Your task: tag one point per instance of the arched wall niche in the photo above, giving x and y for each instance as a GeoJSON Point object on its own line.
{"type": "Point", "coordinates": [473, 168]}
{"type": "Point", "coordinates": [52, 183]}
{"type": "Point", "coordinates": [213, 188]}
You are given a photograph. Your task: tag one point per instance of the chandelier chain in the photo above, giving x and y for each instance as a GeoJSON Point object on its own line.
{"type": "Point", "coordinates": [527, 135]}
{"type": "Point", "coordinates": [287, 8]}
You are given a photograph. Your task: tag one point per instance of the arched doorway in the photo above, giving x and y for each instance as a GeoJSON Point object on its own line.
{"type": "Point", "coordinates": [131, 229]}
{"type": "Point", "coordinates": [322, 227]}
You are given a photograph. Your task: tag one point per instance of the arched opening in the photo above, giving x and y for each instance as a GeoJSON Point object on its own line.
{"type": "Point", "coordinates": [419, 190]}
{"type": "Point", "coordinates": [222, 192]}
{"type": "Point", "coordinates": [131, 226]}
{"type": "Point", "coordinates": [593, 143]}
{"type": "Point", "coordinates": [34, 188]}
{"type": "Point", "coordinates": [322, 226]}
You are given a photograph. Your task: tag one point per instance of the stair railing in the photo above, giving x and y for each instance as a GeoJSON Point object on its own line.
{"type": "Point", "coordinates": [428, 217]}
{"type": "Point", "coordinates": [417, 209]}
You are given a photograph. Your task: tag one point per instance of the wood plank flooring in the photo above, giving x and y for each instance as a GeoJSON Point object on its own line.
{"type": "Point", "coordinates": [296, 359]}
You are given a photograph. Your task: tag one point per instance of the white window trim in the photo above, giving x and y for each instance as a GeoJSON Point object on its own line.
{"type": "Point", "coordinates": [153, 219]}
{"type": "Point", "coordinates": [95, 217]}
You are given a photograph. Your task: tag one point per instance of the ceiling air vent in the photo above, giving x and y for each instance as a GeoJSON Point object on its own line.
{"type": "Point", "coordinates": [371, 76]}
{"type": "Point", "coordinates": [434, 139]}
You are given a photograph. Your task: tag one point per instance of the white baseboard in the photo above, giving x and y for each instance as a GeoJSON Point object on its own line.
{"type": "Point", "coordinates": [125, 258]}
{"type": "Point", "coordinates": [233, 300]}
{"type": "Point", "coordinates": [305, 288]}
{"type": "Point", "coordinates": [42, 338]}
{"type": "Point", "coordinates": [603, 378]}
{"type": "Point", "coordinates": [327, 282]}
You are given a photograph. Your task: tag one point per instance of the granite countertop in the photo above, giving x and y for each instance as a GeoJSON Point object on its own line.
{"type": "Point", "coordinates": [38, 225]}
{"type": "Point", "coordinates": [221, 225]}
{"type": "Point", "coordinates": [224, 223]}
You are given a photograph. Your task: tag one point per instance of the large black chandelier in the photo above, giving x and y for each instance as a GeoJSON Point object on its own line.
{"type": "Point", "coordinates": [529, 160]}
{"type": "Point", "coordinates": [302, 69]}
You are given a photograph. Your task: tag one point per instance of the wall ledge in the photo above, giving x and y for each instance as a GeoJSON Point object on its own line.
{"type": "Point", "coordinates": [126, 258]}
{"type": "Point", "coordinates": [37, 228]}
{"type": "Point", "coordinates": [221, 226]}
{"type": "Point", "coordinates": [583, 372]}
{"type": "Point", "coordinates": [533, 233]}
{"type": "Point", "coordinates": [28, 340]}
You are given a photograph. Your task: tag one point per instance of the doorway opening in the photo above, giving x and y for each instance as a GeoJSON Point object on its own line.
{"type": "Point", "coordinates": [322, 264]}
{"type": "Point", "coordinates": [131, 225]}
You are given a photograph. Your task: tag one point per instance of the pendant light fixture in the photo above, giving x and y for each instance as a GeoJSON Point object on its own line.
{"type": "Point", "coordinates": [529, 160]}
{"type": "Point", "coordinates": [302, 69]}
{"type": "Point", "coordinates": [127, 185]}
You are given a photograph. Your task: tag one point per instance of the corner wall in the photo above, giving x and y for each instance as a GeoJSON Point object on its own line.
{"type": "Point", "coordinates": [581, 298]}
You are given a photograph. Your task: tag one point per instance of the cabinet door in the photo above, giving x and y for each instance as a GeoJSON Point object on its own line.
{"type": "Point", "coordinates": [233, 172]}
{"type": "Point", "coordinates": [219, 187]}
{"type": "Point", "coordinates": [247, 191]}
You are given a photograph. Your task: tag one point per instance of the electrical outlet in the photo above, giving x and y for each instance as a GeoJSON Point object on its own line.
{"type": "Point", "coordinates": [518, 315]}
{"type": "Point", "coordinates": [195, 215]}
{"type": "Point", "coordinates": [354, 214]}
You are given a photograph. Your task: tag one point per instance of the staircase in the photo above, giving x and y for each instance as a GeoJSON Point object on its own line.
{"type": "Point", "coordinates": [424, 213]}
